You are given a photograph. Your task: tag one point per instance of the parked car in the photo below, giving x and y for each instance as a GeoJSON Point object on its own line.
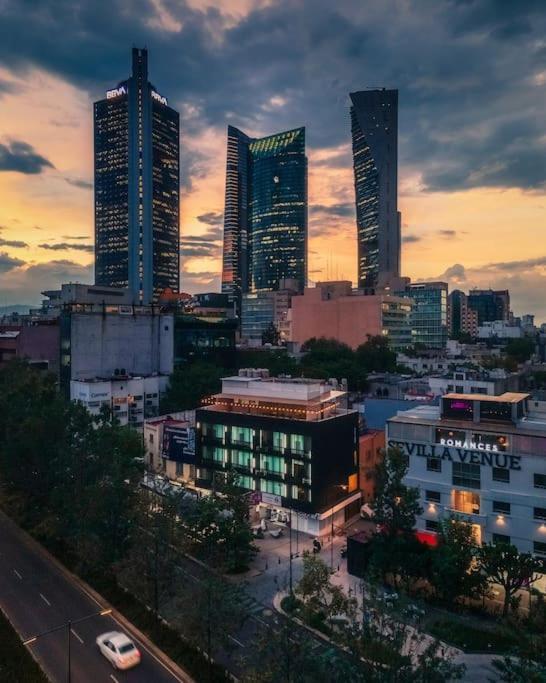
{"type": "Point", "coordinates": [118, 649]}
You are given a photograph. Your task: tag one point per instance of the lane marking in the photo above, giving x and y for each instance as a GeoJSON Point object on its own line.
{"type": "Point", "coordinates": [17, 575]}
{"type": "Point", "coordinates": [76, 635]}
{"type": "Point", "coordinates": [45, 600]}
{"type": "Point", "coordinates": [238, 642]}
{"type": "Point", "coordinates": [114, 678]}
{"type": "Point", "coordinates": [143, 646]}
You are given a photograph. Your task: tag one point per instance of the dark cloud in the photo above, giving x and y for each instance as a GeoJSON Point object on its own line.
{"type": "Point", "coordinates": [8, 262]}
{"type": "Point", "coordinates": [22, 284]}
{"type": "Point", "coordinates": [525, 279]}
{"type": "Point", "coordinates": [199, 250]}
{"type": "Point", "coordinates": [21, 157]}
{"type": "Point", "coordinates": [470, 109]}
{"type": "Point", "coordinates": [214, 218]}
{"type": "Point", "coordinates": [471, 102]}
{"type": "Point", "coordinates": [341, 210]}
{"type": "Point", "coordinates": [205, 281]}
{"type": "Point", "coordinates": [8, 87]}
{"type": "Point", "coordinates": [410, 239]}
{"type": "Point", "coordinates": [66, 246]}
{"type": "Point", "coordinates": [207, 245]}
{"type": "Point", "coordinates": [75, 237]}
{"type": "Point", "coordinates": [512, 266]}
{"type": "Point", "coordinates": [78, 182]}
{"type": "Point", "coordinates": [447, 233]}
{"type": "Point", "coordinates": [16, 244]}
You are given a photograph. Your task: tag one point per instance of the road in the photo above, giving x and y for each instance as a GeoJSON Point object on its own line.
{"type": "Point", "coordinates": [37, 596]}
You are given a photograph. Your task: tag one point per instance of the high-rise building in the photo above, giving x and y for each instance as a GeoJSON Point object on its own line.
{"type": "Point", "coordinates": [333, 309]}
{"type": "Point", "coordinates": [429, 313]}
{"type": "Point", "coordinates": [137, 182]}
{"type": "Point", "coordinates": [461, 318]}
{"type": "Point", "coordinates": [265, 223]}
{"type": "Point", "coordinates": [374, 128]}
{"type": "Point", "coordinates": [490, 304]}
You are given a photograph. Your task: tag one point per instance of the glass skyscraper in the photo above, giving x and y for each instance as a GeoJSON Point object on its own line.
{"type": "Point", "coordinates": [374, 128]}
{"type": "Point", "coordinates": [137, 179]}
{"type": "Point", "coordinates": [265, 220]}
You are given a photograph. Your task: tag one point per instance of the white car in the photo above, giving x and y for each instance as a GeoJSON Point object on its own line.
{"type": "Point", "coordinates": [118, 649]}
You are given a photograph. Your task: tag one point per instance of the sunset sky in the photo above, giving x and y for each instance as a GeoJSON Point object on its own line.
{"type": "Point", "coordinates": [471, 76]}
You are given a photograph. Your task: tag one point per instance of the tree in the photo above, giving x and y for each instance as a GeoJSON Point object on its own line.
{"type": "Point", "coordinates": [277, 361]}
{"type": "Point", "coordinates": [394, 649]}
{"type": "Point", "coordinates": [321, 598]}
{"type": "Point", "coordinates": [271, 335]}
{"type": "Point", "coordinates": [155, 545]}
{"type": "Point", "coordinates": [395, 505]}
{"type": "Point", "coordinates": [324, 358]}
{"type": "Point", "coordinates": [207, 610]}
{"type": "Point", "coordinates": [287, 654]}
{"type": "Point", "coordinates": [527, 664]}
{"type": "Point", "coordinates": [190, 384]}
{"type": "Point", "coordinates": [454, 572]}
{"type": "Point", "coordinates": [219, 526]}
{"type": "Point", "coordinates": [502, 564]}
{"type": "Point", "coordinates": [520, 350]}
{"type": "Point", "coordinates": [375, 355]}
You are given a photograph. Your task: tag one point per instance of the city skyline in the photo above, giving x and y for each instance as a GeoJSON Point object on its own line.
{"type": "Point", "coordinates": [471, 145]}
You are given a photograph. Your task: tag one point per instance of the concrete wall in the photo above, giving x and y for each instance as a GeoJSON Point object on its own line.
{"type": "Point", "coordinates": [349, 319]}
{"type": "Point", "coordinates": [140, 344]}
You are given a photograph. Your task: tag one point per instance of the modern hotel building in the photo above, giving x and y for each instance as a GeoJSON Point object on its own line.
{"type": "Point", "coordinates": [482, 458]}
{"type": "Point", "coordinates": [292, 443]}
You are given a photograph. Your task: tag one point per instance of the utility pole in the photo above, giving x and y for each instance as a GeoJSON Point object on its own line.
{"type": "Point", "coordinates": [332, 541]}
{"type": "Point", "coordinates": [290, 537]}
{"type": "Point", "coordinates": [69, 624]}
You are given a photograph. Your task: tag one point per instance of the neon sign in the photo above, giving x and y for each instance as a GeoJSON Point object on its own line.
{"type": "Point", "coordinates": [116, 92]}
{"type": "Point", "coordinates": [159, 97]}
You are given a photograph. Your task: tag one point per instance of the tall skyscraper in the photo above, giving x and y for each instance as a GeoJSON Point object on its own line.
{"type": "Point", "coordinates": [374, 128]}
{"type": "Point", "coordinates": [137, 185]}
{"type": "Point", "coordinates": [265, 219]}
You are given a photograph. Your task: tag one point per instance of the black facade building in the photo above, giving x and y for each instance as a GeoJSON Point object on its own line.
{"type": "Point", "coordinates": [374, 129]}
{"type": "Point", "coordinates": [300, 454]}
{"type": "Point", "coordinates": [490, 304]}
{"type": "Point", "coordinates": [265, 219]}
{"type": "Point", "coordinates": [137, 178]}
{"type": "Point", "coordinates": [201, 338]}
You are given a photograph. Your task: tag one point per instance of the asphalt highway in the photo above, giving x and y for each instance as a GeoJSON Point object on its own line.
{"type": "Point", "coordinates": [36, 596]}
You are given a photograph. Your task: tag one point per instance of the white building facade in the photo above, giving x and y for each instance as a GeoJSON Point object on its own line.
{"type": "Point", "coordinates": [482, 458]}
{"type": "Point", "coordinates": [130, 398]}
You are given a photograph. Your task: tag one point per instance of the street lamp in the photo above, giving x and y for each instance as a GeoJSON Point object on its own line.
{"type": "Point", "coordinates": [68, 625]}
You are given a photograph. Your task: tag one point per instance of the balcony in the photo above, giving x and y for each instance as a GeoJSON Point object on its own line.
{"type": "Point", "coordinates": [266, 474]}
{"type": "Point", "coordinates": [212, 440]}
{"type": "Point", "coordinates": [247, 445]}
{"type": "Point", "coordinates": [472, 517]}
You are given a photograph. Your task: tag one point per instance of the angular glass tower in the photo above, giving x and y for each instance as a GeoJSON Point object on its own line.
{"type": "Point", "coordinates": [265, 220]}
{"type": "Point", "coordinates": [137, 179]}
{"type": "Point", "coordinates": [374, 128]}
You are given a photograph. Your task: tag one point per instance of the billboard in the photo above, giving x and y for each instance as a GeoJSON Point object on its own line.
{"type": "Point", "coordinates": [179, 444]}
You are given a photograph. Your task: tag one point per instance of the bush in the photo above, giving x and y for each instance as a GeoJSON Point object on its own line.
{"type": "Point", "coordinates": [290, 604]}
{"type": "Point", "coordinates": [472, 639]}
{"type": "Point", "coordinates": [16, 662]}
